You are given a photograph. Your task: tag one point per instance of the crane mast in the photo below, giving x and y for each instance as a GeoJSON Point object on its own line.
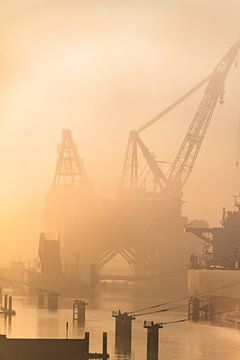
{"type": "Point", "coordinates": [188, 152]}
{"type": "Point", "coordinates": [69, 169]}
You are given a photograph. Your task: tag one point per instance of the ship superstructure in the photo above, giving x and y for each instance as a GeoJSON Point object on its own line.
{"type": "Point", "coordinates": [214, 276]}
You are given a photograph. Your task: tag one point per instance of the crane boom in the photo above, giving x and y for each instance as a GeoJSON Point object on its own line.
{"type": "Point", "coordinates": [186, 157]}
{"type": "Point", "coordinates": [159, 176]}
{"type": "Point", "coordinates": [188, 152]}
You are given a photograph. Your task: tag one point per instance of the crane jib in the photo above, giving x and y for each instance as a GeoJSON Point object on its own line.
{"type": "Point", "coordinates": [187, 154]}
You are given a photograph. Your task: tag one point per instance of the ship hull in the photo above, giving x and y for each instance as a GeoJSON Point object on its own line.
{"type": "Point", "coordinates": [221, 289]}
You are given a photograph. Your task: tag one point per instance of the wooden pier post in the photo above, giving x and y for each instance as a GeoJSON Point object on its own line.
{"type": "Point", "coordinates": [104, 346]}
{"type": "Point", "coordinates": [87, 335]}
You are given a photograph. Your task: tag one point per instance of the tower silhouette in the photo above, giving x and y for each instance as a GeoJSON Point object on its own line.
{"type": "Point", "coordinates": [69, 169]}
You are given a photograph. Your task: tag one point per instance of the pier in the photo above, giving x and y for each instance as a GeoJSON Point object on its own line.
{"type": "Point", "coordinates": [49, 349]}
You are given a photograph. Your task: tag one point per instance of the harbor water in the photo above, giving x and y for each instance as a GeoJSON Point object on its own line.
{"type": "Point", "coordinates": [178, 341]}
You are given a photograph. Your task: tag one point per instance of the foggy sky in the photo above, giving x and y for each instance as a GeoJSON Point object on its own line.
{"type": "Point", "coordinates": [102, 68]}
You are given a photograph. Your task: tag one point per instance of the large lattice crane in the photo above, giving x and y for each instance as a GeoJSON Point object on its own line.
{"type": "Point", "coordinates": [135, 178]}
{"type": "Point", "coordinates": [71, 190]}
{"type": "Point", "coordinates": [188, 152]}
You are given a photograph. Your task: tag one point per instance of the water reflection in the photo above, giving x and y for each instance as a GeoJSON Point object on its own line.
{"type": "Point", "coordinates": [123, 356]}
{"type": "Point", "coordinates": [7, 324]}
{"type": "Point", "coordinates": [78, 331]}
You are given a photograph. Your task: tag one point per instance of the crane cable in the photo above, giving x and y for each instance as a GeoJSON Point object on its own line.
{"type": "Point", "coordinates": [175, 104]}
{"type": "Point", "coordinates": [191, 91]}
{"type": "Point", "coordinates": [186, 319]}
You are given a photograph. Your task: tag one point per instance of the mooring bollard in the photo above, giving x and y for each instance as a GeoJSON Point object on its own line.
{"type": "Point", "coordinates": [53, 301]}
{"type": "Point", "coordinates": [123, 331]}
{"type": "Point", "coordinates": [79, 311]}
{"type": "Point", "coordinates": [152, 339]}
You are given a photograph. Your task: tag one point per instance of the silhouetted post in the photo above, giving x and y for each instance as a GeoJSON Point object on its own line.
{"type": "Point", "coordinates": [104, 346]}
{"type": "Point", "coordinates": [152, 339]}
{"type": "Point", "coordinates": [67, 330]}
{"type": "Point", "coordinates": [123, 331]}
{"type": "Point", "coordinates": [52, 301]}
{"type": "Point", "coordinates": [5, 304]}
{"type": "Point", "coordinates": [87, 343]}
{"type": "Point", "coordinates": [10, 305]}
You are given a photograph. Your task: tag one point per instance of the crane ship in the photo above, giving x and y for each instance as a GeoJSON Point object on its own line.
{"type": "Point", "coordinates": [144, 224]}
{"type": "Point", "coordinates": [155, 198]}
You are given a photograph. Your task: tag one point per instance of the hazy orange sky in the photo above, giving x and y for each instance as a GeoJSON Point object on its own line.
{"type": "Point", "coordinates": [102, 68]}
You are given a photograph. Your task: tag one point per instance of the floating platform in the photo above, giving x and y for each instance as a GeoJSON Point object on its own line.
{"type": "Point", "coordinates": [48, 349]}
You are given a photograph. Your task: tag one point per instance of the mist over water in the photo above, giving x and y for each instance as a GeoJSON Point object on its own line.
{"type": "Point", "coordinates": [85, 75]}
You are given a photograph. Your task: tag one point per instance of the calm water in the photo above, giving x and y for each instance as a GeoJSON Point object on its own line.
{"type": "Point", "coordinates": [177, 341]}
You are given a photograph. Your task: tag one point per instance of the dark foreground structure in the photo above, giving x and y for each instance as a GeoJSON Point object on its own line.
{"type": "Point", "coordinates": [49, 349]}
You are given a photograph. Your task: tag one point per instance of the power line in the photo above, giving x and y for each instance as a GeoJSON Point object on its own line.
{"type": "Point", "coordinates": [161, 310]}
{"type": "Point", "coordinates": [158, 305]}
{"type": "Point", "coordinates": [175, 321]}
{"type": "Point", "coordinates": [184, 298]}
